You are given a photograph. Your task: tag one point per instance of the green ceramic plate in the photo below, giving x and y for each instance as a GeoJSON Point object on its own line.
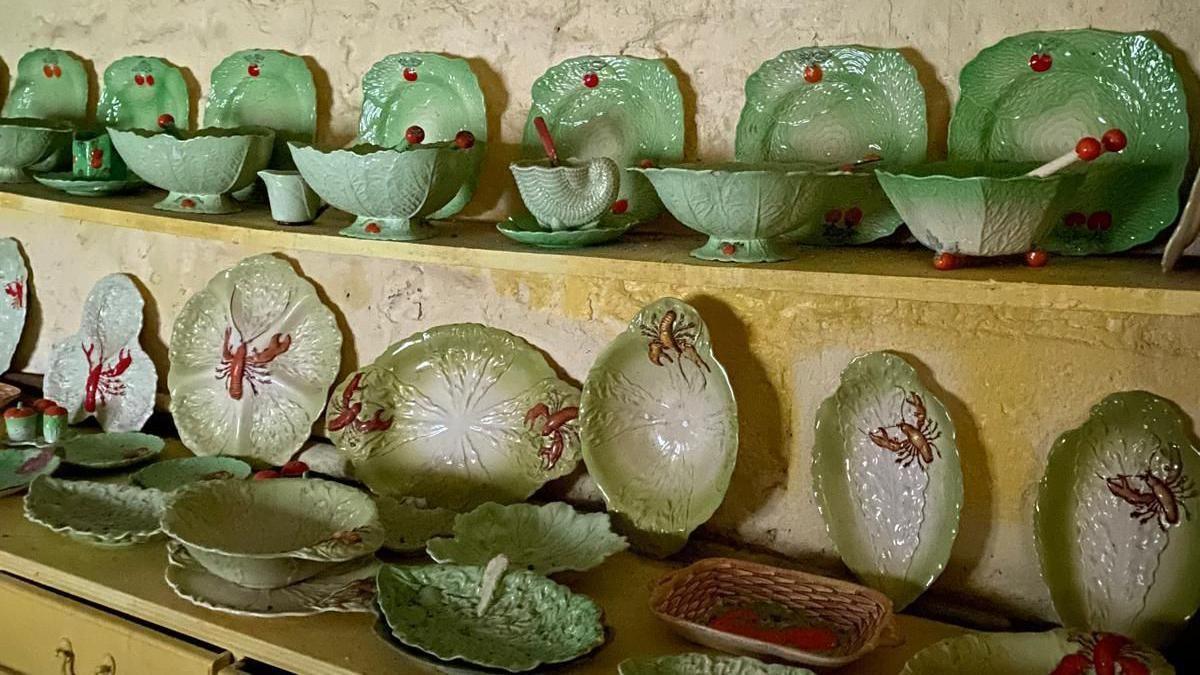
{"type": "Point", "coordinates": [458, 415]}
{"type": "Point", "coordinates": [886, 475]}
{"type": "Point", "coordinates": [50, 84]}
{"type": "Point", "coordinates": [532, 621]}
{"type": "Point", "coordinates": [544, 539]}
{"type": "Point", "coordinates": [102, 514]}
{"type": "Point", "coordinates": [19, 467]}
{"type": "Point", "coordinates": [111, 450]}
{"type": "Point", "coordinates": [705, 664]}
{"type": "Point", "coordinates": [267, 88]}
{"type": "Point", "coordinates": [659, 425]}
{"type": "Point", "coordinates": [1026, 653]}
{"type": "Point", "coordinates": [1116, 524]}
{"type": "Point", "coordinates": [139, 90]}
{"type": "Point", "coordinates": [430, 662]}
{"type": "Point", "coordinates": [438, 93]}
{"type": "Point", "coordinates": [252, 356]}
{"type": "Point", "coordinates": [102, 371]}
{"type": "Point", "coordinates": [14, 302]}
{"type": "Point", "coordinates": [170, 474]}
{"type": "Point", "coordinates": [410, 524]}
{"type": "Point", "coordinates": [87, 187]}
{"type": "Point", "coordinates": [625, 108]}
{"type": "Point", "coordinates": [525, 229]}
{"type": "Point", "coordinates": [1031, 96]}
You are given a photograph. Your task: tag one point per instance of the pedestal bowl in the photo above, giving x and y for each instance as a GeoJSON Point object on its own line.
{"type": "Point", "coordinates": [26, 141]}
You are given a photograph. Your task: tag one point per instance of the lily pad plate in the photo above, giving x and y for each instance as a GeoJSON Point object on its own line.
{"type": "Point", "coordinates": [1030, 96]}
{"type": "Point", "coordinates": [631, 112]}
{"type": "Point", "coordinates": [457, 415]}
{"type": "Point", "coordinates": [1019, 654]}
{"type": "Point", "coordinates": [79, 186]}
{"type": "Point", "coordinates": [409, 524]}
{"type": "Point", "coordinates": [1116, 521]}
{"type": "Point", "coordinates": [438, 93]}
{"type": "Point", "coordinates": [170, 474]}
{"type": "Point", "coordinates": [139, 90]}
{"type": "Point", "coordinates": [705, 664]}
{"type": "Point", "coordinates": [111, 450]}
{"type": "Point", "coordinates": [50, 84]}
{"type": "Point", "coordinates": [265, 88]}
{"type": "Point", "coordinates": [261, 320]}
{"type": "Point", "coordinates": [531, 621]}
{"type": "Point", "coordinates": [103, 514]}
{"type": "Point", "coordinates": [544, 539]}
{"type": "Point", "coordinates": [102, 370]}
{"type": "Point", "coordinates": [14, 284]}
{"type": "Point", "coordinates": [659, 425]}
{"type": "Point", "coordinates": [19, 467]}
{"type": "Point", "coordinates": [887, 476]}
{"type": "Point", "coordinates": [525, 229]}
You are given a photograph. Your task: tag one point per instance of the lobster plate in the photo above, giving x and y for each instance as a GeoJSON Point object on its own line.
{"type": "Point", "coordinates": [14, 280]}
{"type": "Point", "coordinates": [102, 370]}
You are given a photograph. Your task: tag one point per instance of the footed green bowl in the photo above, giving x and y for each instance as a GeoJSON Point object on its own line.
{"type": "Point", "coordinates": [199, 169]}
{"type": "Point", "coordinates": [25, 141]}
{"type": "Point", "coordinates": [390, 190]}
{"type": "Point", "coordinates": [570, 196]}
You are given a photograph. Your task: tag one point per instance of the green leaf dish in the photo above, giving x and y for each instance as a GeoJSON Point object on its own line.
{"type": "Point", "coordinates": [77, 186]}
{"type": "Point", "coordinates": [659, 426]}
{"type": "Point", "coordinates": [252, 356]}
{"type": "Point", "coordinates": [457, 415]}
{"type": "Point", "coordinates": [101, 514]}
{"type": "Point", "coordinates": [531, 622]}
{"type": "Point", "coordinates": [1030, 97]}
{"type": "Point", "coordinates": [14, 303]}
{"type": "Point", "coordinates": [198, 169]}
{"type": "Point", "coordinates": [544, 539]}
{"type": "Point", "coordinates": [264, 88]}
{"type": "Point", "coordinates": [572, 195]}
{"type": "Point", "coordinates": [1116, 526]}
{"type": "Point", "coordinates": [143, 92]}
{"type": "Point", "coordinates": [25, 142]}
{"type": "Point", "coordinates": [430, 662]}
{"type": "Point", "coordinates": [977, 209]}
{"type": "Point", "coordinates": [438, 93]}
{"type": "Point", "coordinates": [705, 664]}
{"type": "Point", "coordinates": [1025, 653]}
{"type": "Point", "coordinates": [111, 450]}
{"type": "Point", "coordinates": [51, 84]}
{"type": "Point", "coordinates": [621, 107]}
{"type": "Point", "coordinates": [171, 474]}
{"type": "Point", "coordinates": [20, 467]}
{"type": "Point", "coordinates": [102, 371]}
{"type": "Point", "coordinates": [267, 534]}
{"type": "Point", "coordinates": [887, 477]}
{"type": "Point", "coordinates": [392, 191]}
{"type": "Point", "coordinates": [525, 228]}
{"type": "Point", "coordinates": [410, 523]}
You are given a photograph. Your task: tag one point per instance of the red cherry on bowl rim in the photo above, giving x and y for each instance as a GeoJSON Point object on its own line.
{"type": "Point", "coordinates": [294, 468]}
{"type": "Point", "coordinates": [464, 139]}
{"type": "Point", "coordinates": [253, 70]}
{"type": "Point", "coordinates": [57, 70]}
{"type": "Point", "coordinates": [265, 474]}
{"type": "Point", "coordinates": [166, 120]}
{"type": "Point", "coordinates": [832, 216]}
{"type": "Point", "coordinates": [410, 74]}
{"type": "Point", "coordinates": [1114, 140]}
{"type": "Point", "coordinates": [372, 228]}
{"type": "Point", "coordinates": [1088, 148]}
{"type": "Point", "coordinates": [1099, 221]}
{"type": "Point", "coordinates": [854, 216]}
{"type": "Point", "coordinates": [139, 79]}
{"type": "Point", "coordinates": [149, 80]}
{"type": "Point", "coordinates": [1041, 62]}
{"type": "Point", "coordinates": [646, 163]}
{"type": "Point", "coordinates": [187, 203]}
{"type": "Point", "coordinates": [414, 135]}
{"type": "Point", "coordinates": [620, 206]}
{"type": "Point", "coordinates": [813, 73]}
{"type": "Point", "coordinates": [590, 80]}
{"type": "Point", "coordinates": [48, 70]}
{"type": "Point", "coordinates": [728, 249]}
{"type": "Point", "coordinates": [1074, 219]}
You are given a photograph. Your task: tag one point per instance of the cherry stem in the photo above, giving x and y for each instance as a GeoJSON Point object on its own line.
{"type": "Point", "coordinates": [547, 140]}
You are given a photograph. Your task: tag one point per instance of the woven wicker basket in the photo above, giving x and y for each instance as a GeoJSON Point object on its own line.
{"type": "Point", "coordinates": [686, 599]}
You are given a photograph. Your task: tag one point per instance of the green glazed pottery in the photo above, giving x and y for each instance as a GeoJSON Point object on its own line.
{"type": "Point", "coordinates": [346, 587]}
{"type": "Point", "coordinates": [1056, 651]}
{"type": "Point", "coordinates": [264, 88]}
{"type": "Point", "coordinates": [197, 169]}
{"type": "Point", "coordinates": [659, 426]}
{"type": "Point", "coordinates": [977, 209]}
{"type": "Point", "coordinates": [621, 107]}
{"type": "Point", "coordinates": [430, 662]}
{"type": "Point", "coordinates": [705, 664]}
{"type": "Point", "coordinates": [272, 533]}
{"type": "Point", "coordinates": [102, 371]}
{"type": "Point", "coordinates": [92, 156]}
{"type": "Point", "coordinates": [526, 229]}
{"type": "Point", "coordinates": [410, 523]}
{"type": "Point", "coordinates": [1116, 530]}
{"type": "Point", "coordinates": [544, 539]}
{"type": "Point", "coordinates": [21, 426]}
{"type": "Point", "coordinates": [531, 622]}
{"type": "Point", "coordinates": [102, 514]}
{"type": "Point", "coordinates": [14, 297]}
{"type": "Point", "coordinates": [50, 84]}
{"type": "Point", "coordinates": [20, 466]}
{"type": "Point", "coordinates": [438, 93]}
{"type": "Point", "coordinates": [252, 356]}
{"type": "Point", "coordinates": [143, 92]}
{"type": "Point", "coordinates": [293, 202]}
{"type": "Point", "coordinates": [88, 187]}
{"type": "Point", "coordinates": [887, 477]}
{"type": "Point", "coordinates": [392, 191]}
{"type": "Point", "coordinates": [458, 415]}
{"type": "Point", "coordinates": [170, 474]}
{"type": "Point", "coordinates": [25, 142]}
{"type": "Point", "coordinates": [1029, 97]}
{"type": "Point", "coordinates": [111, 450]}
{"type": "Point", "coordinates": [570, 196]}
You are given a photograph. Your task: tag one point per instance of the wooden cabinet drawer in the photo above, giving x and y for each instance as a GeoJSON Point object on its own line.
{"type": "Point", "coordinates": [36, 623]}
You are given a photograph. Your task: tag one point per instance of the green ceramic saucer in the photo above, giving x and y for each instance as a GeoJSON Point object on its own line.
{"type": "Point", "coordinates": [87, 187]}
{"type": "Point", "coordinates": [525, 229]}
{"type": "Point", "coordinates": [170, 474]}
{"type": "Point", "coordinates": [139, 91]}
{"type": "Point", "coordinates": [14, 298]}
{"type": "Point", "coordinates": [19, 467]}
{"type": "Point", "coordinates": [1031, 96]}
{"type": "Point", "coordinates": [111, 451]}
{"type": "Point", "coordinates": [50, 84]}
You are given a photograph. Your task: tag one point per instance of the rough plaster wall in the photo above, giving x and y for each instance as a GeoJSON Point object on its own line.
{"type": "Point", "coordinates": [712, 45]}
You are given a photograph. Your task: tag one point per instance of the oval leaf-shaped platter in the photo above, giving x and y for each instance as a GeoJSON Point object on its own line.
{"type": "Point", "coordinates": [265, 88]}
{"type": "Point", "coordinates": [659, 425]}
{"type": "Point", "coordinates": [1026, 653]}
{"type": "Point", "coordinates": [705, 664]}
{"type": "Point", "coordinates": [111, 450]}
{"type": "Point", "coordinates": [1031, 96]}
{"type": "Point", "coordinates": [101, 514]}
{"type": "Point", "coordinates": [102, 370]}
{"type": "Point", "coordinates": [887, 476]}
{"type": "Point", "coordinates": [50, 84]}
{"type": "Point", "coordinates": [139, 90]}
{"type": "Point", "coordinates": [1116, 522]}
{"type": "Point", "coordinates": [826, 106]}
{"type": "Point", "coordinates": [457, 415]}
{"type": "Point", "coordinates": [252, 356]}
{"type": "Point", "coordinates": [171, 474]}
{"type": "Point", "coordinates": [621, 107]}
{"type": "Point", "coordinates": [438, 93]}
{"type": "Point", "coordinates": [14, 283]}
{"type": "Point", "coordinates": [20, 466]}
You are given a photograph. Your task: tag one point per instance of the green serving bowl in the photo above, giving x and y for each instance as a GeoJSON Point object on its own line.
{"type": "Point", "coordinates": [24, 142]}
{"type": "Point", "coordinates": [570, 196]}
{"type": "Point", "coordinates": [198, 169]}
{"type": "Point", "coordinates": [390, 190]}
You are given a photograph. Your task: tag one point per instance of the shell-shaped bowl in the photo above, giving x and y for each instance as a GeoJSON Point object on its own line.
{"type": "Point", "coordinates": [206, 161]}
{"type": "Point", "coordinates": [25, 141]}
{"type": "Point", "coordinates": [572, 195]}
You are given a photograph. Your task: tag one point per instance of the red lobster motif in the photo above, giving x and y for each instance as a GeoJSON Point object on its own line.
{"type": "Point", "coordinates": [553, 429]}
{"type": "Point", "coordinates": [1102, 653]}
{"type": "Point", "coordinates": [15, 290]}
{"type": "Point", "coordinates": [347, 413]}
{"type": "Point", "coordinates": [103, 382]}
{"type": "Point", "coordinates": [1161, 498]}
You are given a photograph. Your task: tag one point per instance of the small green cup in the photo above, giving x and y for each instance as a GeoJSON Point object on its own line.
{"type": "Point", "coordinates": [21, 424]}
{"type": "Point", "coordinates": [93, 156]}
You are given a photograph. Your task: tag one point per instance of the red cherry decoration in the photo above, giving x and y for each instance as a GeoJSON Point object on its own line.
{"type": "Point", "coordinates": [1088, 148]}
{"type": "Point", "coordinates": [149, 80]}
{"type": "Point", "coordinates": [728, 249]}
{"type": "Point", "coordinates": [464, 139]}
{"type": "Point", "coordinates": [620, 206]}
{"type": "Point", "coordinates": [166, 120]}
{"type": "Point", "coordinates": [414, 134]}
{"type": "Point", "coordinates": [1041, 62]}
{"type": "Point", "coordinates": [832, 216]}
{"type": "Point", "coordinates": [590, 80]}
{"type": "Point", "coordinates": [1037, 258]}
{"type": "Point", "coordinates": [139, 79]}
{"type": "Point", "coordinates": [48, 70]}
{"type": "Point", "coordinates": [1074, 219]}
{"type": "Point", "coordinates": [813, 73]}
{"type": "Point", "coordinates": [1114, 140]}
{"type": "Point", "coordinates": [372, 228]}
{"type": "Point", "coordinates": [57, 70]}
{"type": "Point", "coordinates": [410, 74]}
{"type": "Point", "coordinates": [1099, 221]}
{"type": "Point", "coordinates": [646, 164]}
{"type": "Point", "coordinates": [187, 203]}
{"type": "Point", "coordinates": [947, 261]}
{"type": "Point", "coordinates": [97, 159]}
{"type": "Point", "coordinates": [294, 468]}
{"type": "Point", "coordinates": [253, 70]}
{"type": "Point", "coordinates": [265, 474]}
{"type": "Point", "coordinates": [854, 216]}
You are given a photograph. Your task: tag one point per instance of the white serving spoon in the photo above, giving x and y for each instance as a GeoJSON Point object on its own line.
{"type": "Point", "coordinates": [1087, 149]}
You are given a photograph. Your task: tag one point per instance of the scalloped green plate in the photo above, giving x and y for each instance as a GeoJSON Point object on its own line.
{"type": "Point", "coordinates": [1031, 96]}
{"type": "Point", "coordinates": [438, 93]}
{"type": "Point", "coordinates": [101, 514]}
{"type": "Point", "coordinates": [1023, 654]}
{"type": "Point", "coordinates": [410, 524]}
{"type": "Point", "coordinates": [111, 450]}
{"type": "Point", "coordinates": [1116, 521]}
{"type": "Point", "coordinates": [171, 474]}
{"type": "Point", "coordinates": [79, 186]}
{"type": "Point", "coordinates": [705, 664]}
{"type": "Point", "coordinates": [544, 539]}
{"type": "Point", "coordinates": [887, 477]}
{"type": "Point", "coordinates": [532, 621]}
{"type": "Point", "coordinates": [20, 466]}
{"type": "Point", "coordinates": [14, 300]}
{"type": "Point", "coordinates": [526, 229]}
{"type": "Point", "coordinates": [50, 84]}
{"type": "Point", "coordinates": [659, 425]}
{"type": "Point", "coordinates": [622, 107]}
{"type": "Point", "coordinates": [139, 90]}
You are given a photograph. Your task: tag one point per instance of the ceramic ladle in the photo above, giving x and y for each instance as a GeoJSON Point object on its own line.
{"type": "Point", "coordinates": [547, 140]}
{"type": "Point", "coordinates": [1087, 149]}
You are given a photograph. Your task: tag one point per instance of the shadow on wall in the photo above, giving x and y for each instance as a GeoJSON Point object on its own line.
{"type": "Point", "coordinates": [152, 332]}
{"type": "Point", "coordinates": [495, 181]}
{"type": "Point", "coordinates": [349, 352]}
{"type": "Point", "coordinates": [324, 99]}
{"type": "Point", "coordinates": [193, 94]}
{"type": "Point", "coordinates": [688, 92]}
{"type": "Point", "coordinates": [93, 97]}
{"type": "Point", "coordinates": [1191, 90]}
{"type": "Point", "coordinates": [937, 101]}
